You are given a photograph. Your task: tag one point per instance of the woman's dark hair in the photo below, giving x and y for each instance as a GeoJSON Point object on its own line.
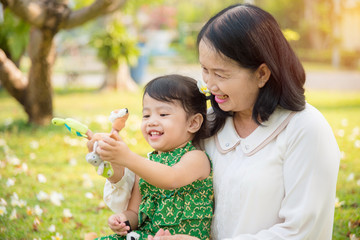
{"type": "Point", "coordinates": [170, 88]}
{"type": "Point", "coordinates": [251, 37]}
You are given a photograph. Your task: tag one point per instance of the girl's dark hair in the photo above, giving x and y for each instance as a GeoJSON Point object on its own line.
{"type": "Point", "coordinates": [251, 37]}
{"type": "Point", "coordinates": [170, 88]}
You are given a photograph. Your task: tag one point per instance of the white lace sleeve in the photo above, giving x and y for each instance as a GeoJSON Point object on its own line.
{"type": "Point", "coordinates": [117, 195]}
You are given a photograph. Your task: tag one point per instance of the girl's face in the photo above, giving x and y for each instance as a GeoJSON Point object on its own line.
{"type": "Point", "coordinates": [235, 88]}
{"type": "Point", "coordinates": [165, 125]}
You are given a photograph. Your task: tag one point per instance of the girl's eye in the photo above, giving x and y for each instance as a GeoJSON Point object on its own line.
{"type": "Point", "coordinates": [163, 114]}
{"type": "Point", "coordinates": [146, 116]}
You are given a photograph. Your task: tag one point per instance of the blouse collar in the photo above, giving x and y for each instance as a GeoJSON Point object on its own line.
{"type": "Point", "coordinates": [227, 138]}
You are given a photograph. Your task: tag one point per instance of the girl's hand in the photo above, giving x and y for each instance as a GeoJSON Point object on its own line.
{"type": "Point", "coordinates": [117, 223]}
{"type": "Point", "coordinates": [115, 152]}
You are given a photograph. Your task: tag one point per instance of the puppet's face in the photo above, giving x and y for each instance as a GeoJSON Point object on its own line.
{"type": "Point", "coordinates": [93, 159]}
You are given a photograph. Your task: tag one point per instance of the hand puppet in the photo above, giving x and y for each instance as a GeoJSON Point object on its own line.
{"type": "Point", "coordinates": [118, 119]}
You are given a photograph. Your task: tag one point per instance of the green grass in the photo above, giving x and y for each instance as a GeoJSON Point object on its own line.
{"type": "Point", "coordinates": [27, 151]}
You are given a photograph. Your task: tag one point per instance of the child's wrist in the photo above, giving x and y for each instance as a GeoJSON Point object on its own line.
{"type": "Point", "coordinates": [118, 174]}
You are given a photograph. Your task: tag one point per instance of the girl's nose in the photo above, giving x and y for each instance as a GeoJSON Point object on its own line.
{"type": "Point", "coordinates": [153, 122]}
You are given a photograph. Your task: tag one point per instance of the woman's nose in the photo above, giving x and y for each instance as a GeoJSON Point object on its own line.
{"type": "Point", "coordinates": [210, 83]}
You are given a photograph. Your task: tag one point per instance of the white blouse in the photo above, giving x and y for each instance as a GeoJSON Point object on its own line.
{"type": "Point", "coordinates": [277, 183]}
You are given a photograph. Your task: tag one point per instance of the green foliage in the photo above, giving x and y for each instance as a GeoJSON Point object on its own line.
{"type": "Point", "coordinates": [14, 36]}
{"type": "Point", "coordinates": [27, 151]}
{"type": "Point", "coordinates": [115, 45]}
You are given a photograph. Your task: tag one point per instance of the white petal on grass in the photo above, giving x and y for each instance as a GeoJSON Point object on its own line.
{"type": "Point", "coordinates": [41, 196]}
{"type": "Point", "coordinates": [350, 177]}
{"type": "Point", "coordinates": [72, 141]}
{"type": "Point", "coordinates": [340, 133]}
{"type": "Point", "coordinates": [41, 178]}
{"type": "Point", "coordinates": [58, 236]}
{"type": "Point", "coordinates": [344, 122]}
{"type": "Point", "coordinates": [342, 155]}
{"type": "Point", "coordinates": [32, 156]}
{"type": "Point", "coordinates": [13, 214]}
{"type": "Point", "coordinates": [67, 213]}
{"type": "Point", "coordinates": [52, 228]}
{"type": "Point", "coordinates": [338, 203]}
{"type": "Point", "coordinates": [87, 182]}
{"type": "Point", "coordinates": [102, 204]}
{"type": "Point", "coordinates": [34, 144]}
{"type": "Point", "coordinates": [21, 203]}
{"type": "Point", "coordinates": [10, 182]}
{"type": "Point", "coordinates": [2, 210]}
{"type": "Point", "coordinates": [56, 198]}
{"type": "Point", "coordinates": [2, 142]}
{"type": "Point", "coordinates": [24, 167]}
{"type": "Point", "coordinates": [3, 202]}
{"type": "Point", "coordinates": [89, 195]}
{"type": "Point", "coordinates": [72, 161]}
{"type": "Point", "coordinates": [29, 211]}
{"type": "Point", "coordinates": [13, 160]}
{"type": "Point", "coordinates": [2, 164]}
{"type": "Point", "coordinates": [8, 122]}
{"type": "Point", "coordinates": [38, 211]}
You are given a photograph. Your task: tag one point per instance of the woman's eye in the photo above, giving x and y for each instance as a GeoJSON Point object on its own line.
{"type": "Point", "coordinates": [205, 70]}
{"type": "Point", "coordinates": [219, 76]}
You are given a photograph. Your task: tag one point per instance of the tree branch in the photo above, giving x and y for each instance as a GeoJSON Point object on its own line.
{"type": "Point", "coordinates": [31, 12]}
{"type": "Point", "coordinates": [35, 12]}
{"type": "Point", "coordinates": [12, 78]}
{"type": "Point", "coordinates": [98, 8]}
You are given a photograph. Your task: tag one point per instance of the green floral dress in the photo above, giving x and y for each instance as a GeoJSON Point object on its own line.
{"type": "Point", "coordinates": [185, 210]}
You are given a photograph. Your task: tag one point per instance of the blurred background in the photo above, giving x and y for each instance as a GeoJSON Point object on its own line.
{"type": "Point", "coordinates": [151, 37]}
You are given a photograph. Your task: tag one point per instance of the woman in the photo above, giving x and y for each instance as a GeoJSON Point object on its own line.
{"type": "Point", "coordinates": [275, 158]}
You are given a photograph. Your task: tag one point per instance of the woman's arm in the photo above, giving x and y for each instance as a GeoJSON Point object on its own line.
{"type": "Point", "coordinates": [310, 168]}
{"type": "Point", "coordinates": [117, 195]}
{"type": "Point", "coordinates": [117, 222]}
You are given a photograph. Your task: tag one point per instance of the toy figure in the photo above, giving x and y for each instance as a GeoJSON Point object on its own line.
{"type": "Point", "coordinates": [118, 119]}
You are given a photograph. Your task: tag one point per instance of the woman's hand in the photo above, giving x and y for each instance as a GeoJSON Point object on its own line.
{"type": "Point", "coordinates": [117, 223]}
{"type": "Point", "coordinates": [165, 235]}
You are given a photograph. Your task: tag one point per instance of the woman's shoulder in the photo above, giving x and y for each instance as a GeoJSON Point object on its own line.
{"type": "Point", "coordinates": [310, 121]}
{"type": "Point", "coordinates": [310, 116]}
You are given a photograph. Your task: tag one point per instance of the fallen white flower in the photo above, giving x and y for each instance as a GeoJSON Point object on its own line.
{"type": "Point", "coordinates": [2, 210]}
{"type": "Point", "coordinates": [67, 213]}
{"type": "Point", "coordinates": [38, 211]}
{"type": "Point", "coordinates": [41, 178]}
{"type": "Point", "coordinates": [52, 228]}
{"type": "Point", "coordinates": [56, 198]}
{"type": "Point", "coordinates": [41, 196]}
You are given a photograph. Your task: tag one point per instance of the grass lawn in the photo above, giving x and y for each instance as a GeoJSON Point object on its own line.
{"type": "Point", "coordinates": [47, 188]}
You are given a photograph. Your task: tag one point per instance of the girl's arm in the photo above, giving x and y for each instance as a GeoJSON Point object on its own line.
{"type": "Point", "coordinates": [193, 166]}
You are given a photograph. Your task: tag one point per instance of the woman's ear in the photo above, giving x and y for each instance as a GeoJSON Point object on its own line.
{"type": "Point", "coordinates": [262, 75]}
{"type": "Point", "coordinates": [195, 122]}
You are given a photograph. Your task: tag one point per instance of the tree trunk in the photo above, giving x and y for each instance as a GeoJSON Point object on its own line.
{"type": "Point", "coordinates": [38, 103]}
{"type": "Point", "coordinates": [46, 17]}
{"type": "Point", "coordinates": [118, 79]}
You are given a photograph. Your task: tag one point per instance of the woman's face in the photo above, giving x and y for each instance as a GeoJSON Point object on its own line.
{"type": "Point", "coordinates": [235, 88]}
